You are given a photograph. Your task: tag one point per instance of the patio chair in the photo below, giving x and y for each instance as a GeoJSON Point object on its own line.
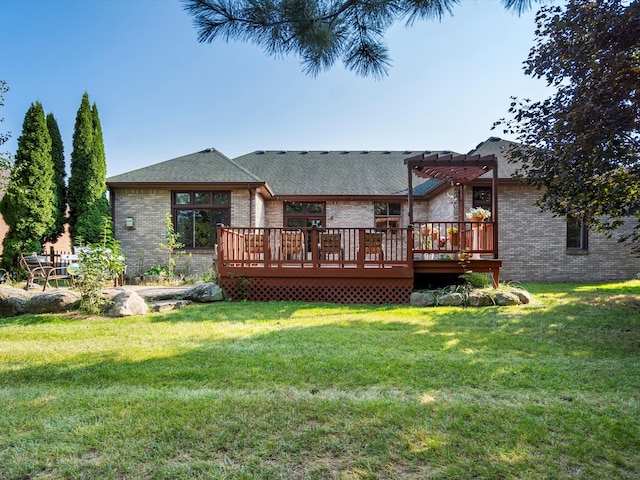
{"type": "Point", "coordinates": [373, 246]}
{"type": "Point", "coordinates": [38, 268]}
{"type": "Point", "coordinates": [331, 244]}
{"type": "Point", "coordinates": [254, 245]}
{"type": "Point", "coordinates": [292, 245]}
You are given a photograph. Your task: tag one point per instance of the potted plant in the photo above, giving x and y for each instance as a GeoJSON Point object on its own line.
{"type": "Point", "coordinates": [478, 214]}
{"type": "Point", "coordinates": [454, 237]}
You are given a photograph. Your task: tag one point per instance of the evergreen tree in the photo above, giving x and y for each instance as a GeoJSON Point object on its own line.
{"type": "Point", "coordinates": [4, 157]}
{"type": "Point", "coordinates": [80, 158]}
{"type": "Point", "coordinates": [59, 174]}
{"type": "Point", "coordinates": [87, 183]}
{"type": "Point", "coordinates": [28, 204]}
{"type": "Point", "coordinates": [319, 31]}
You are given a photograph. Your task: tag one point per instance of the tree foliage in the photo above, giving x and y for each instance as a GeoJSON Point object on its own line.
{"type": "Point", "coordinates": [581, 146]}
{"type": "Point", "coordinates": [87, 183]}
{"type": "Point", "coordinates": [28, 204]}
{"type": "Point", "coordinates": [319, 31]}
{"type": "Point", "coordinates": [4, 157]}
{"type": "Point", "coordinates": [59, 186]}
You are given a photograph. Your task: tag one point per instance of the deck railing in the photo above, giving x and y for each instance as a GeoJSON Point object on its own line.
{"type": "Point", "coordinates": [314, 247]}
{"type": "Point", "coordinates": [441, 240]}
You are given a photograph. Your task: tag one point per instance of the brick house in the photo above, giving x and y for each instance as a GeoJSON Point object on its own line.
{"type": "Point", "coordinates": [345, 189]}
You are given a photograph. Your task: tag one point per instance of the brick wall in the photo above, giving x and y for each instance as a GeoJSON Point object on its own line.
{"type": "Point", "coordinates": [149, 206]}
{"type": "Point", "coordinates": [533, 245]}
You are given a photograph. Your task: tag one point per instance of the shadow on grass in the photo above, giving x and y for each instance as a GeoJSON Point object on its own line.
{"type": "Point", "coordinates": [446, 351]}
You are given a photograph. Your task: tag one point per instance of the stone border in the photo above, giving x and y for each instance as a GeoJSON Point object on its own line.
{"type": "Point", "coordinates": [460, 297]}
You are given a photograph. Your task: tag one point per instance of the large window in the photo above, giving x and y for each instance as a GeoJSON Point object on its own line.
{"type": "Point", "coordinates": [577, 235]}
{"type": "Point", "coordinates": [196, 214]}
{"type": "Point", "coordinates": [301, 215]}
{"type": "Point", "coordinates": [387, 215]}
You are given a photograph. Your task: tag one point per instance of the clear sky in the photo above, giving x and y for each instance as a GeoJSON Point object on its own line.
{"type": "Point", "coordinates": [161, 94]}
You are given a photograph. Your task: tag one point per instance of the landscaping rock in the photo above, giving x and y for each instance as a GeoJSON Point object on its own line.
{"type": "Point", "coordinates": [479, 299]}
{"type": "Point", "coordinates": [204, 293]}
{"type": "Point", "coordinates": [53, 301]}
{"type": "Point", "coordinates": [453, 299]}
{"type": "Point", "coordinates": [13, 301]}
{"type": "Point", "coordinates": [125, 303]}
{"type": "Point", "coordinates": [523, 295]}
{"type": "Point", "coordinates": [506, 298]}
{"type": "Point", "coordinates": [422, 299]}
{"type": "Point", "coordinates": [163, 306]}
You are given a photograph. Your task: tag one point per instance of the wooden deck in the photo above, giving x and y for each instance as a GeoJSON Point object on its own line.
{"type": "Point", "coordinates": [347, 265]}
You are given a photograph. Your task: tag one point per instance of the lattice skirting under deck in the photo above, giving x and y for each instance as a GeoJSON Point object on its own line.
{"type": "Point", "coordinates": [332, 290]}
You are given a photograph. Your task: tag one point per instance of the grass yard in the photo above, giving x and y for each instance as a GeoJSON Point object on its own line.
{"type": "Point", "coordinates": [296, 390]}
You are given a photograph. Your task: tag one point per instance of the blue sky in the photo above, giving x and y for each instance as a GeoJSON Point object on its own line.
{"type": "Point", "coordinates": [160, 94]}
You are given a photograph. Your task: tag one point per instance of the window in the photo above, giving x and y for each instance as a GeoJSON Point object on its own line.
{"type": "Point", "coordinates": [196, 214]}
{"type": "Point", "coordinates": [482, 197]}
{"type": "Point", "coordinates": [387, 215]}
{"type": "Point", "coordinates": [577, 235]}
{"type": "Point", "coordinates": [301, 215]}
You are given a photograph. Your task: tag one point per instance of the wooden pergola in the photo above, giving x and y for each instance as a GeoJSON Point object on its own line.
{"type": "Point", "coordinates": [458, 171]}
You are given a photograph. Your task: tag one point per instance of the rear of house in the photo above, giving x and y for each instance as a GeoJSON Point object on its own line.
{"type": "Point", "coordinates": [344, 189]}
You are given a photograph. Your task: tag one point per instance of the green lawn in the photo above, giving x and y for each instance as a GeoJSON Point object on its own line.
{"type": "Point", "coordinates": [295, 390]}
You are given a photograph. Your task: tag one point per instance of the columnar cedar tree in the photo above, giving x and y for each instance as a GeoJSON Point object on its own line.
{"type": "Point", "coordinates": [87, 184]}
{"type": "Point", "coordinates": [59, 174]}
{"type": "Point", "coordinates": [28, 204]}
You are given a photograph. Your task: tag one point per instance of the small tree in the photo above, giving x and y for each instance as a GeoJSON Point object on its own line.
{"type": "Point", "coordinates": [173, 243]}
{"type": "Point", "coordinates": [98, 265]}
{"type": "Point", "coordinates": [28, 204]}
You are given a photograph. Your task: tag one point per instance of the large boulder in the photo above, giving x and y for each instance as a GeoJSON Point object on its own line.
{"type": "Point", "coordinates": [523, 295]}
{"type": "Point", "coordinates": [204, 293]}
{"type": "Point", "coordinates": [453, 299]}
{"type": "Point", "coordinates": [124, 303]}
{"type": "Point", "coordinates": [13, 301]}
{"type": "Point", "coordinates": [56, 300]}
{"type": "Point", "coordinates": [504, 298]}
{"type": "Point", "coordinates": [479, 299]}
{"type": "Point", "coordinates": [422, 299]}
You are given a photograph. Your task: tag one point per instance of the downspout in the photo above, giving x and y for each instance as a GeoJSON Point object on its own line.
{"type": "Point", "coordinates": [251, 207]}
{"type": "Point", "coordinates": [410, 194]}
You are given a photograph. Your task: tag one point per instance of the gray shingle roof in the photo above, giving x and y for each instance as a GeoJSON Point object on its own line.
{"type": "Point", "coordinates": [334, 172]}
{"type": "Point", "coordinates": [499, 148]}
{"type": "Point", "coordinates": [207, 166]}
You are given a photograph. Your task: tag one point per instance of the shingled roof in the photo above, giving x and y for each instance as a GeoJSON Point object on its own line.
{"type": "Point", "coordinates": [498, 147]}
{"type": "Point", "coordinates": [334, 173]}
{"type": "Point", "coordinates": [207, 166]}
{"type": "Point", "coordinates": [307, 173]}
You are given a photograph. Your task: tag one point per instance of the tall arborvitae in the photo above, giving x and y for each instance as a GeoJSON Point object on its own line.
{"type": "Point", "coordinates": [100, 165]}
{"type": "Point", "coordinates": [87, 184]}
{"type": "Point", "coordinates": [80, 159]}
{"type": "Point", "coordinates": [59, 174]}
{"type": "Point", "coordinates": [28, 204]}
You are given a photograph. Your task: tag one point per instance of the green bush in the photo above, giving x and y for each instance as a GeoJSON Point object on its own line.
{"type": "Point", "coordinates": [477, 280]}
